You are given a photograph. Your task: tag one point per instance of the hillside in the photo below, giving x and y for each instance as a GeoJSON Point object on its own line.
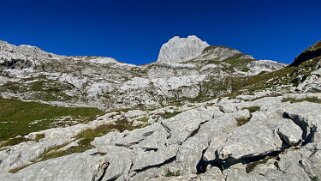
{"type": "Point", "coordinates": [200, 112]}
{"type": "Point", "coordinates": [311, 53]}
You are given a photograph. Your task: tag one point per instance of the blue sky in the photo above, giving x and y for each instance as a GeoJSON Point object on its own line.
{"type": "Point", "coordinates": [133, 30]}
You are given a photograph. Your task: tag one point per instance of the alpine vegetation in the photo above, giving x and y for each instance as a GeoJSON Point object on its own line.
{"type": "Point", "coordinates": [200, 112]}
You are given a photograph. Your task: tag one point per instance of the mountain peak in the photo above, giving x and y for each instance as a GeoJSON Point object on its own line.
{"type": "Point", "coordinates": [178, 49]}
{"type": "Point", "coordinates": [11, 52]}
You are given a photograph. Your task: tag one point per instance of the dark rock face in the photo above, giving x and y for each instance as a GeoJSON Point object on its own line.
{"type": "Point", "coordinates": [16, 64]}
{"type": "Point", "coordinates": [310, 53]}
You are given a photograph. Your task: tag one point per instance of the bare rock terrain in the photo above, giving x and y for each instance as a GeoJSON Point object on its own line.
{"type": "Point", "coordinates": [200, 112]}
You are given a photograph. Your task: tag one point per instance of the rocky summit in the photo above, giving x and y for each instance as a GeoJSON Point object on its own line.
{"type": "Point", "coordinates": [200, 112]}
{"type": "Point", "coordinates": [178, 50]}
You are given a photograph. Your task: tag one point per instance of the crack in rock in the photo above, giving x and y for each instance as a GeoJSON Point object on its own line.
{"type": "Point", "coordinates": [202, 164]}
{"type": "Point", "coordinates": [101, 171]}
{"type": "Point", "coordinates": [229, 161]}
{"type": "Point", "coordinates": [310, 137]}
{"type": "Point", "coordinates": [307, 171]}
{"type": "Point", "coordinates": [194, 132]}
{"type": "Point", "coordinates": [308, 131]}
{"type": "Point", "coordinates": [170, 160]}
{"type": "Point", "coordinates": [128, 145]}
{"type": "Point", "coordinates": [167, 129]}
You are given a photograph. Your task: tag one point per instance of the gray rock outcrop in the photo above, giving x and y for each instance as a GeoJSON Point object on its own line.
{"type": "Point", "coordinates": [264, 65]}
{"type": "Point", "coordinates": [204, 140]}
{"type": "Point", "coordinates": [178, 50]}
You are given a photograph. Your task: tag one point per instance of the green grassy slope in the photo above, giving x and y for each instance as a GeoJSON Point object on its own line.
{"type": "Point", "coordinates": [21, 118]}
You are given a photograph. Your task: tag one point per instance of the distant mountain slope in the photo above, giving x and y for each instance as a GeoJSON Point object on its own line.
{"type": "Point", "coordinates": [184, 66]}
{"type": "Point", "coordinates": [312, 52]}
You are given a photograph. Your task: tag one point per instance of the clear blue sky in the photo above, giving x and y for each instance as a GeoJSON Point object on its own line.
{"type": "Point", "coordinates": [133, 30]}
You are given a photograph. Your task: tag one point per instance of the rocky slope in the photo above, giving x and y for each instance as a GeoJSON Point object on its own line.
{"type": "Point", "coordinates": [28, 73]}
{"type": "Point", "coordinates": [312, 52]}
{"type": "Point", "coordinates": [199, 113]}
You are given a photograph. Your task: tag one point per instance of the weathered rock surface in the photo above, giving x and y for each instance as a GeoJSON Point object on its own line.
{"type": "Point", "coordinates": [184, 66]}
{"type": "Point", "coordinates": [311, 83]}
{"type": "Point", "coordinates": [178, 50]}
{"type": "Point", "coordinates": [219, 53]}
{"type": "Point", "coordinates": [264, 65]}
{"type": "Point", "coordinates": [205, 140]}
{"type": "Point", "coordinates": [82, 166]}
{"type": "Point", "coordinates": [166, 120]}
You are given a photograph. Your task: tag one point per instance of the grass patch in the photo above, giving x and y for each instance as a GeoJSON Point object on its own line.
{"type": "Point", "coordinates": [41, 88]}
{"type": "Point", "coordinates": [16, 117]}
{"type": "Point", "coordinates": [314, 178]}
{"type": "Point", "coordinates": [91, 134]}
{"type": "Point", "coordinates": [250, 167]}
{"type": "Point", "coordinates": [172, 174]}
{"type": "Point", "coordinates": [19, 139]}
{"type": "Point", "coordinates": [237, 62]}
{"type": "Point", "coordinates": [245, 69]}
{"type": "Point", "coordinates": [233, 86]}
{"type": "Point", "coordinates": [230, 86]}
{"type": "Point", "coordinates": [252, 109]}
{"type": "Point", "coordinates": [308, 99]}
{"type": "Point", "coordinates": [39, 137]}
{"type": "Point", "coordinates": [15, 170]}
{"type": "Point", "coordinates": [85, 138]}
{"type": "Point", "coordinates": [242, 120]}
{"type": "Point", "coordinates": [168, 115]}
{"type": "Point", "coordinates": [54, 153]}
{"type": "Point", "coordinates": [14, 87]}
{"type": "Point", "coordinates": [14, 141]}
{"type": "Point", "coordinates": [144, 120]}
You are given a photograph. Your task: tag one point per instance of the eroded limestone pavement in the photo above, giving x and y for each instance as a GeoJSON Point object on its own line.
{"type": "Point", "coordinates": [262, 136]}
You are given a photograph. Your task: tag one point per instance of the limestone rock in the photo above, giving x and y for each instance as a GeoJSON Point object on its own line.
{"type": "Point", "coordinates": [258, 140]}
{"type": "Point", "coordinates": [103, 60]}
{"type": "Point", "coordinates": [264, 65]}
{"type": "Point", "coordinates": [134, 113]}
{"type": "Point", "coordinates": [178, 50]}
{"type": "Point", "coordinates": [290, 133]}
{"type": "Point", "coordinates": [23, 56]}
{"type": "Point", "coordinates": [176, 119]}
{"type": "Point", "coordinates": [219, 53]}
{"type": "Point", "coordinates": [185, 124]}
{"type": "Point", "coordinates": [119, 162]}
{"type": "Point", "coordinates": [312, 83]}
{"type": "Point", "coordinates": [82, 167]}
{"type": "Point", "coordinates": [98, 89]}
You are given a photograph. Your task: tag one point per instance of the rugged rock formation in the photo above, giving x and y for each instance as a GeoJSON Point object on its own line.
{"type": "Point", "coordinates": [278, 140]}
{"type": "Point", "coordinates": [105, 83]}
{"type": "Point", "coordinates": [210, 114]}
{"type": "Point", "coordinates": [264, 65]}
{"type": "Point", "coordinates": [10, 53]}
{"type": "Point", "coordinates": [312, 52]}
{"type": "Point", "coordinates": [219, 53]}
{"type": "Point", "coordinates": [178, 50]}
